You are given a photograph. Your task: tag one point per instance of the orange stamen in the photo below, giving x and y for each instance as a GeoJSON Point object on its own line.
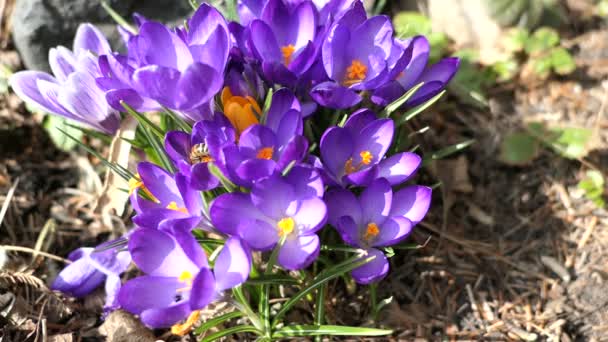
{"type": "Point", "coordinates": [355, 73]}
{"type": "Point", "coordinates": [371, 231]}
{"type": "Point", "coordinates": [136, 183]}
{"type": "Point", "coordinates": [173, 206]}
{"type": "Point", "coordinates": [265, 153]}
{"type": "Point", "coordinates": [186, 327]}
{"type": "Point", "coordinates": [287, 52]}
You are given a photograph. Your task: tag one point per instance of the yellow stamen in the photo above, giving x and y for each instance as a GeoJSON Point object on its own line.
{"type": "Point", "coordinates": [186, 327]}
{"type": "Point", "coordinates": [371, 232]}
{"type": "Point", "coordinates": [287, 52]}
{"type": "Point", "coordinates": [241, 111]}
{"type": "Point", "coordinates": [286, 226]}
{"type": "Point", "coordinates": [136, 183]}
{"type": "Point", "coordinates": [348, 167]}
{"type": "Point", "coordinates": [366, 157]}
{"type": "Point", "coordinates": [265, 153]}
{"type": "Point", "coordinates": [355, 73]}
{"type": "Point", "coordinates": [173, 206]}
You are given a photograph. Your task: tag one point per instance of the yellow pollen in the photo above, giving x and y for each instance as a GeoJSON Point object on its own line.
{"type": "Point", "coordinates": [349, 168]}
{"type": "Point", "coordinates": [242, 112]}
{"type": "Point", "coordinates": [371, 232]}
{"type": "Point", "coordinates": [287, 52]}
{"type": "Point", "coordinates": [185, 277]}
{"type": "Point", "coordinates": [186, 327]}
{"type": "Point", "coordinates": [173, 206]}
{"type": "Point", "coordinates": [355, 73]}
{"type": "Point", "coordinates": [265, 153]}
{"type": "Point", "coordinates": [136, 183]}
{"type": "Point", "coordinates": [286, 226]}
{"type": "Point", "coordinates": [366, 157]}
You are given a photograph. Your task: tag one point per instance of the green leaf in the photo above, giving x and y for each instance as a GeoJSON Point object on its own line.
{"type": "Point", "coordinates": [55, 126]}
{"type": "Point", "coordinates": [393, 106]}
{"type": "Point", "coordinates": [322, 278]}
{"type": "Point", "coordinates": [332, 330]}
{"type": "Point", "coordinates": [562, 61]}
{"type": "Point", "coordinates": [593, 185]}
{"type": "Point", "coordinates": [518, 148]}
{"type": "Point", "coordinates": [514, 40]}
{"type": "Point", "coordinates": [542, 65]}
{"type": "Point", "coordinates": [542, 40]}
{"type": "Point", "coordinates": [217, 321]}
{"type": "Point", "coordinates": [410, 114]}
{"type": "Point", "coordinates": [272, 279]}
{"type": "Point", "coordinates": [572, 142]}
{"type": "Point", "coordinates": [231, 331]}
{"type": "Point", "coordinates": [118, 18]}
{"type": "Point", "coordinates": [450, 150]}
{"type": "Point", "coordinates": [505, 70]}
{"type": "Point", "coordinates": [409, 24]}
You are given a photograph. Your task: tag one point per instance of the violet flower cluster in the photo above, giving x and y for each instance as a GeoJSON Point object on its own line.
{"type": "Point", "coordinates": [264, 167]}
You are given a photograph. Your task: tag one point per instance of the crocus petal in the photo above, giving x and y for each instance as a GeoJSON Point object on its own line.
{"type": "Point", "coordinates": [24, 84]}
{"type": "Point", "coordinates": [334, 53]}
{"type": "Point", "coordinates": [88, 37]}
{"type": "Point", "coordinates": [157, 45]}
{"type": "Point", "coordinates": [413, 202]}
{"type": "Point", "coordinates": [392, 231]}
{"type": "Point", "coordinates": [112, 287]}
{"type": "Point", "coordinates": [436, 77]}
{"type": "Point", "coordinates": [232, 265]}
{"type": "Point", "coordinates": [255, 169]}
{"type": "Point", "coordinates": [299, 252]}
{"type": "Point", "coordinates": [165, 317]}
{"type": "Point", "coordinates": [283, 100]}
{"type": "Point", "coordinates": [306, 181]}
{"type": "Point", "coordinates": [311, 215]}
{"type": "Point", "coordinates": [110, 261]}
{"type": "Point", "coordinates": [341, 202]}
{"type": "Point", "coordinates": [336, 148]}
{"type": "Point", "coordinates": [78, 278]}
{"type": "Point", "coordinates": [203, 289]}
{"type": "Point", "coordinates": [197, 85]}
{"type": "Point", "coordinates": [202, 179]}
{"type": "Point", "coordinates": [177, 145]}
{"type": "Point", "coordinates": [148, 292]}
{"type": "Point", "coordinates": [61, 61]}
{"type": "Point", "coordinates": [420, 56]}
{"type": "Point", "coordinates": [306, 26]}
{"type": "Point", "coordinates": [190, 247]}
{"type": "Point", "coordinates": [159, 182]}
{"type": "Point", "coordinates": [373, 270]}
{"type": "Point", "coordinates": [387, 93]}
{"type": "Point", "coordinates": [159, 83]}
{"type": "Point", "coordinates": [259, 234]}
{"type": "Point", "coordinates": [192, 198]}
{"type": "Point", "coordinates": [204, 22]}
{"type": "Point", "coordinates": [335, 96]}
{"type": "Point", "coordinates": [158, 253]}
{"type": "Point", "coordinates": [264, 43]}
{"type": "Point", "coordinates": [376, 201]}
{"type": "Point", "coordinates": [229, 210]}
{"type": "Point", "coordinates": [359, 120]}
{"type": "Point", "coordinates": [349, 231]}
{"type": "Point", "coordinates": [376, 138]}
{"type": "Point", "coordinates": [273, 196]}
{"type": "Point", "coordinates": [399, 167]}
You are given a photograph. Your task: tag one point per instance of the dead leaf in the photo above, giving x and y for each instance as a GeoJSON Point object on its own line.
{"type": "Point", "coordinates": [454, 174]}
{"type": "Point", "coordinates": [61, 338]}
{"type": "Point", "coordinates": [121, 326]}
{"type": "Point", "coordinates": [113, 198]}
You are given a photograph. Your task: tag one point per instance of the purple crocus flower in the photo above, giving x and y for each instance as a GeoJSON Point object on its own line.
{"type": "Point", "coordinates": [278, 207]}
{"type": "Point", "coordinates": [192, 152]}
{"type": "Point", "coordinates": [378, 218]}
{"type": "Point", "coordinates": [354, 154]}
{"type": "Point", "coordinates": [329, 10]}
{"type": "Point", "coordinates": [72, 92]}
{"type": "Point", "coordinates": [283, 40]}
{"type": "Point", "coordinates": [179, 69]}
{"type": "Point", "coordinates": [163, 197]}
{"type": "Point", "coordinates": [89, 269]}
{"type": "Point", "coordinates": [270, 147]}
{"type": "Point", "coordinates": [435, 77]}
{"type": "Point", "coordinates": [357, 55]}
{"type": "Point", "coordinates": [178, 281]}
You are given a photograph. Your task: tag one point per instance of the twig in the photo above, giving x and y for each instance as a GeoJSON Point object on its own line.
{"type": "Point", "coordinates": [35, 252]}
{"type": "Point", "coordinates": [7, 201]}
{"type": "Point", "coordinates": [590, 228]}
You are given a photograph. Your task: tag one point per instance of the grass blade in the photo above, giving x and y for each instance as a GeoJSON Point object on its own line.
{"type": "Point", "coordinates": [407, 116]}
{"type": "Point", "coordinates": [393, 106]}
{"type": "Point", "coordinates": [333, 330]}
{"type": "Point", "coordinates": [217, 321]}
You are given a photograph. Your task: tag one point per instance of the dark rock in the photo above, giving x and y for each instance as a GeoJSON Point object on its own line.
{"type": "Point", "coordinates": [39, 25]}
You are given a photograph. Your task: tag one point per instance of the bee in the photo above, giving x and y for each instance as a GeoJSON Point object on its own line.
{"type": "Point", "coordinates": [199, 154]}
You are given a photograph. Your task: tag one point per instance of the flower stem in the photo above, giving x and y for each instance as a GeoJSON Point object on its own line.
{"type": "Point", "coordinates": [265, 289]}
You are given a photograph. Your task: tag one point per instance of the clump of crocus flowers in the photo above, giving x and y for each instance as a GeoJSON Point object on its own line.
{"type": "Point", "coordinates": [278, 147]}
